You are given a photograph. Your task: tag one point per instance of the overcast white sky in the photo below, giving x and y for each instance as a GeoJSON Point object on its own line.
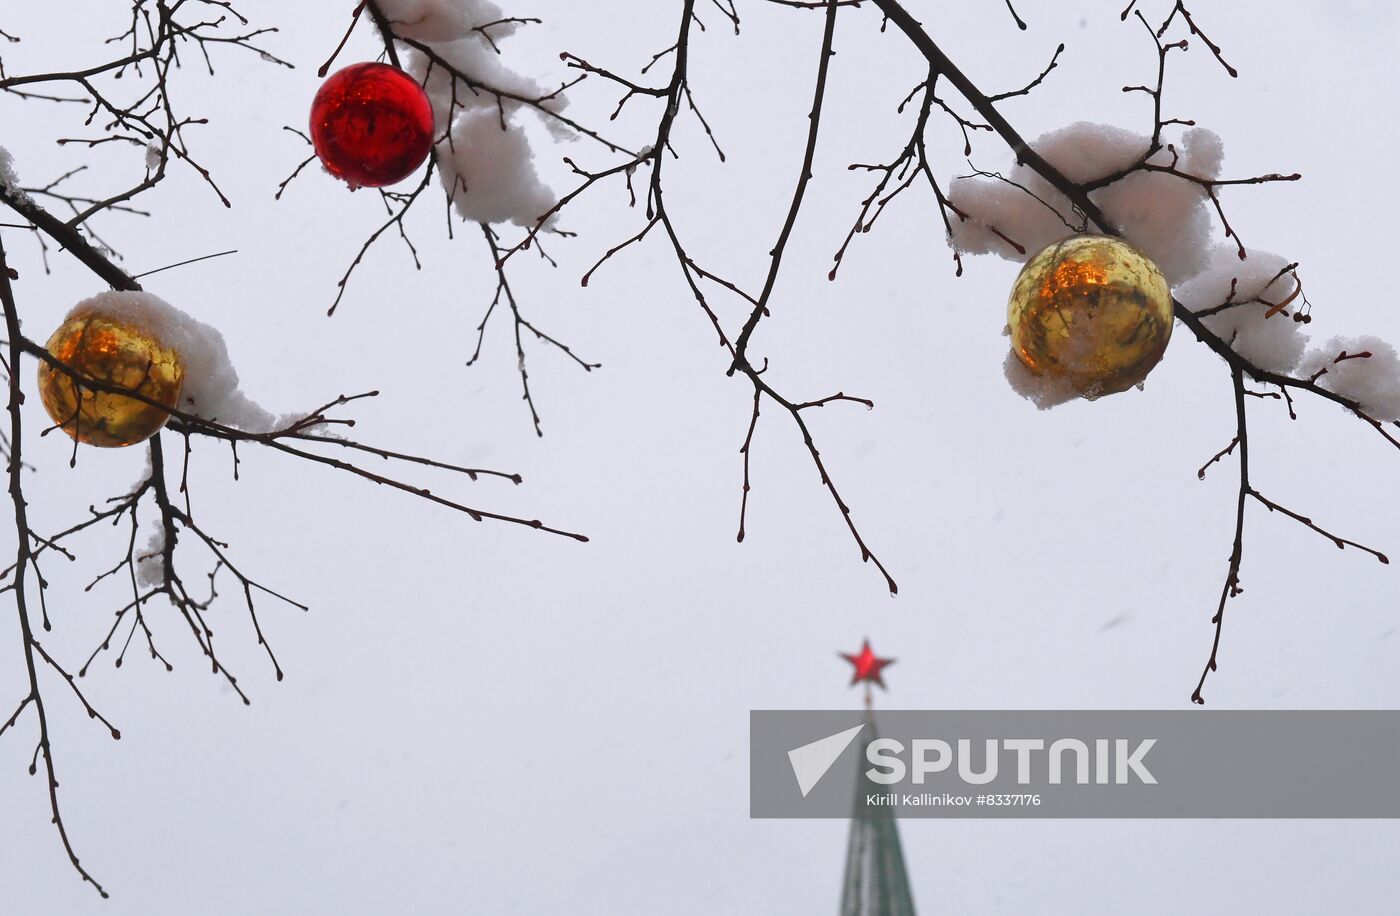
{"type": "Point", "coordinates": [482, 719]}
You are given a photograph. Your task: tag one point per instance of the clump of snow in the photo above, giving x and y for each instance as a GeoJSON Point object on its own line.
{"type": "Point", "coordinates": [443, 20]}
{"type": "Point", "coordinates": [150, 562]}
{"type": "Point", "coordinates": [1202, 153]}
{"type": "Point", "coordinates": [1042, 391]}
{"type": "Point", "coordinates": [490, 173]}
{"type": "Point", "coordinates": [440, 85]}
{"type": "Point", "coordinates": [484, 156]}
{"type": "Point", "coordinates": [1162, 214]}
{"type": "Point", "coordinates": [474, 58]}
{"type": "Point", "coordinates": [154, 151]}
{"type": "Point", "coordinates": [8, 177]}
{"type": "Point", "coordinates": [211, 383]}
{"type": "Point", "coordinates": [1270, 341]}
{"type": "Point", "coordinates": [1373, 381]}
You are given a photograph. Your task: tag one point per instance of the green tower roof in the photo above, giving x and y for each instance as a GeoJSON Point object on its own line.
{"type": "Point", "coordinates": [876, 882]}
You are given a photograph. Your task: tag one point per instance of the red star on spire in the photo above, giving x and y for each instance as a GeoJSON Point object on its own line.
{"type": "Point", "coordinates": [867, 665]}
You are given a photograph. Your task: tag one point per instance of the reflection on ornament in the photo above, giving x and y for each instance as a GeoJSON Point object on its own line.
{"type": "Point", "coordinates": [1091, 312]}
{"type": "Point", "coordinates": [371, 125]}
{"type": "Point", "coordinates": [108, 348]}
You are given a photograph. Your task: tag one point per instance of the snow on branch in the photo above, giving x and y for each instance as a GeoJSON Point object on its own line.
{"type": "Point", "coordinates": [489, 171]}
{"type": "Point", "coordinates": [484, 157]}
{"type": "Point", "coordinates": [1363, 369]}
{"type": "Point", "coordinates": [1247, 305]}
{"type": "Point", "coordinates": [445, 20]}
{"type": "Point", "coordinates": [1161, 212]}
{"type": "Point", "coordinates": [211, 388]}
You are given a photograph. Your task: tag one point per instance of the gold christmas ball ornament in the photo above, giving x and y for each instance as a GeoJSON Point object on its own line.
{"type": "Point", "coordinates": [111, 347]}
{"type": "Point", "coordinates": [1090, 312]}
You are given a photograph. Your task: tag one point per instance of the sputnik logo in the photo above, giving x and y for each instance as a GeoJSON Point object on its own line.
{"type": "Point", "coordinates": [811, 761]}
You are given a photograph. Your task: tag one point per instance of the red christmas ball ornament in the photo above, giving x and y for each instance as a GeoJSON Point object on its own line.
{"type": "Point", "coordinates": [371, 125]}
